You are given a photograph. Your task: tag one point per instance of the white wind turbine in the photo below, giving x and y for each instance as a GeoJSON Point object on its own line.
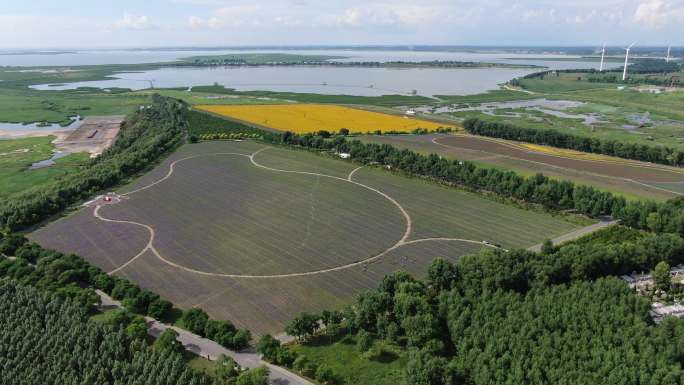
{"type": "Point", "coordinates": [603, 53]}
{"type": "Point", "coordinates": [624, 70]}
{"type": "Point", "coordinates": [667, 58]}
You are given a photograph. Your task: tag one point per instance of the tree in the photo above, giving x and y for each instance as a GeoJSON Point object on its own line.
{"type": "Point", "coordinates": [226, 369]}
{"type": "Point", "coordinates": [325, 374]}
{"type": "Point", "coordinates": [167, 341]}
{"type": "Point", "coordinates": [241, 339]}
{"type": "Point", "coordinates": [547, 247]}
{"type": "Point", "coordinates": [137, 328]}
{"type": "Point", "coordinates": [303, 365]}
{"type": "Point", "coordinates": [364, 341]}
{"type": "Point", "coordinates": [257, 376]}
{"type": "Point", "coordinates": [344, 131]}
{"type": "Point", "coordinates": [441, 274]}
{"type": "Point", "coordinates": [425, 369]}
{"type": "Point", "coordinates": [268, 347]}
{"type": "Point", "coordinates": [661, 276]}
{"type": "Point", "coordinates": [302, 326]}
{"type": "Point", "coordinates": [195, 320]}
{"type": "Point", "coordinates": [159, 309]}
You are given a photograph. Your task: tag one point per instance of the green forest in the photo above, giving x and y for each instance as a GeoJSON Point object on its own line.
{"type": "Point", "coordinates": [46, 340]}
{"type": "Point", "coordinates": [517, 317]}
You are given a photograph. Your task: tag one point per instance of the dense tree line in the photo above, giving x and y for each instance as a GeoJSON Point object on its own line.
{"type": "Point", "coordinates": [50, 340]}
{"type": "Point", "coordinates": [220, 331]}
{"type": "Point", "coordinates": [642, 152]}
{"type": "Point", "coordinates": [524, 318]}
{"type": "Point", "coordinates": [145, 135]}
{"type": "Point", "coordinates": [244, 62]}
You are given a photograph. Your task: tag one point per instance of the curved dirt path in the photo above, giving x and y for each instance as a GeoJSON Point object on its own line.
{"type": "Point", "coordinates": [150, 245]}
{"type": "Point", "coordinates": [172, 168]}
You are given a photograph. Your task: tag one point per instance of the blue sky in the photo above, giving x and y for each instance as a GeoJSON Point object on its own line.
{"type": "Point", "coordinates": [126, 23]}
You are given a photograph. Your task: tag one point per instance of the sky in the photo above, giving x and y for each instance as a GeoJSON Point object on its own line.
{"type": "Point", "coordinates": [165, 23]}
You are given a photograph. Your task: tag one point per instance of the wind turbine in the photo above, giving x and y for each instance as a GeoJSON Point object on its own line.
{"type": "Point", "coordinates": [667, 58]}
{"type": "Point", "coordinates": [603, 53]}
{"type": "Point", "coordinates": [624, 70]}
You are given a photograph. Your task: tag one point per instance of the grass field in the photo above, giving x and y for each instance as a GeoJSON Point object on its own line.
{"type": "Point", "coordinates": [307, 118]}
{"type": "Point", "coordinates": [634, 180]}
{"type": "Point", "coordinates": [17, 155]}
{"type": "Point", "coordinates": [219, 220]}
{"type": "Point", "coordinates": [350, 365]}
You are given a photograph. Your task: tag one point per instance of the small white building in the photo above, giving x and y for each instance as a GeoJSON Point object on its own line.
{"type": "Point", "coordinates": [344, 155]}
{"type": "Point", "coordinates": [660, 311]}
{"type": "Point", "coordinates": [651, 90]}
{"type": "Point", "coordinates": [645, 280]}
{"type": "Point", "coordinates": [410, 113]}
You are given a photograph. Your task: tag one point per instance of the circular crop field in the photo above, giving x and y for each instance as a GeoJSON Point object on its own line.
{"type": "Point", "coordinates": [222, 214]}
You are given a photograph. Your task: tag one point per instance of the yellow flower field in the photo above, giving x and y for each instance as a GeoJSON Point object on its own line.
{"type": "Point", "coordinates": [570, 153]}
{"type": "Point", "coordinates": [307, 118]}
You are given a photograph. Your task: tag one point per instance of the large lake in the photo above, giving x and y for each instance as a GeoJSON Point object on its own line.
{"type": "Point", "coordinates": [84, 57]}
{"type": "Point", "coordinates": [324, 80]}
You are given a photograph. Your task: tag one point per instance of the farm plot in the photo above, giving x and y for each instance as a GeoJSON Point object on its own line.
{"type": "Point", "coordinates": [626, 177]}
{"type": "Point", "coordinates": [236, 232]}
{"type": "Point", "coordinates": [308, 118]}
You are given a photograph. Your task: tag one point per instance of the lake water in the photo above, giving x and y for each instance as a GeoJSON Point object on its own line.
{"type": "Point", "coordinates": [8, 130]}
{"type": "Point", "coordinates": [94, 57]}
{"type": "Point", "coordinates": [49, 162]}
{"type": "Point", "coordinates": [324, 80]}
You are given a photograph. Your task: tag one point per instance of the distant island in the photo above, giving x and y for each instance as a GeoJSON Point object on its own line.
{"type": "Point", "coordinates": [281, 59]}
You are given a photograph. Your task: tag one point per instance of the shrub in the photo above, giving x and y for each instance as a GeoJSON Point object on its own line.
{"type": "Point", "coordinates": [195, 320]}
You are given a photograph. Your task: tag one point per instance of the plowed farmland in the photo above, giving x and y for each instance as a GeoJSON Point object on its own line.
{"type": "Point", "coordinates": [627, 177]}
{"type": "Point", "coordinates": [307, 118]}
{"type": "Point", "coordinates": [257, 234]}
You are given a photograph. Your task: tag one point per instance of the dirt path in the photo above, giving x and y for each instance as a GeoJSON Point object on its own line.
{"type": "Point", "coordinates": [579, 233]}
{"type": "Point", "coordinates": [209, 349]}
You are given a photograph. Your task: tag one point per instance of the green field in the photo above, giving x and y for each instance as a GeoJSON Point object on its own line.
{"type": "Point", "coordinates": [220, 219]}
{"type": "Point", "coordinates": [17, 155]}
{"type": "Point", "coordinates": [351, 367]}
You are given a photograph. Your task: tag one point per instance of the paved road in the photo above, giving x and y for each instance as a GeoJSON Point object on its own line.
{"type": "Point", "coordinates": [210, 349]}
{"type": "Point", "coordinates": [577, 233]}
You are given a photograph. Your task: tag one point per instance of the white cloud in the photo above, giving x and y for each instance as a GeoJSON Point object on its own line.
{"type": "Point", "coordinates": [385, 14]}
{"type": "Point", "coordinates": [129, 21]}
{"type": "Point", "coordinates": [658, 13]}
{"type": "Point", "coordinates": [230, 16]}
